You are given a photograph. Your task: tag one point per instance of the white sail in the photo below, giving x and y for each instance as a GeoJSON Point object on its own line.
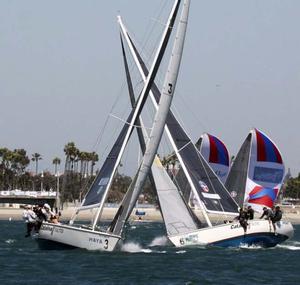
{"type": "Point", "coordinates": [159, 122]}
{"type": "Point", "coordinates": [177, 218]}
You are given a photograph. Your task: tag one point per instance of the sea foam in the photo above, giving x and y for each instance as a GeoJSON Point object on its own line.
{"type": "Point", "coordinates": [134, 247]}
{"type": "Point", "coordinates": [159, 241]}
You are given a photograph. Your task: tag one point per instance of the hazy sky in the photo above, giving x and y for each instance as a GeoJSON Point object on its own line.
{"type": "Point", "coordinates": [61, 71]}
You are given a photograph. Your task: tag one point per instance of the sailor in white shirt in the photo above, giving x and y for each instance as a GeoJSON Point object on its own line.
{"type": "Point", "coordinates": [29, 217]}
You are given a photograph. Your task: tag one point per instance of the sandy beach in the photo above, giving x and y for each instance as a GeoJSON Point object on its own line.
{"type": "Point", "coordinates": [151, 214]}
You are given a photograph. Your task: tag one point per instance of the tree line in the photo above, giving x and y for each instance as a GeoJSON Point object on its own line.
{"type": "Point", "coordinates": [78, 174]}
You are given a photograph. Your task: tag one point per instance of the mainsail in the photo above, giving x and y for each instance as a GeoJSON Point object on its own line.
{"type": "Point", "coordinates": [264, 171]}
{"type": "Point", "coordinates": [214, 196]}
{"type": "Point", "coordinates": [237, 176]}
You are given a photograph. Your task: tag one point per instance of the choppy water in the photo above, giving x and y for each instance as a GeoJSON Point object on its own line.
{"type": "Point", "coordinates": [145, 258]}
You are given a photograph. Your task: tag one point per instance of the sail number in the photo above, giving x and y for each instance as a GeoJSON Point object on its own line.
{"type": "Point", "coordinates": [170, 90]}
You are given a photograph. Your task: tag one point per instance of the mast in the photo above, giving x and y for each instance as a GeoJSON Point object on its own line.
{"type": "Point", "coordinates": [159, 121]}
{"type": "Point", "coordinates": [148, 84]}
{"type": "Point", "coordinates": [183, 219]}
{"type": "Point", "coordinates": [142, 72]}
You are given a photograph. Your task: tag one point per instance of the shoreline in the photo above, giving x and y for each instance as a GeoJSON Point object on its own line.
{"type": "Point", "coordinates": [151, 214]}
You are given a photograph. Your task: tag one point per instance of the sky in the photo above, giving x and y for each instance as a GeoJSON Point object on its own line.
{"type": "Point", "coordinates": [62, 75]}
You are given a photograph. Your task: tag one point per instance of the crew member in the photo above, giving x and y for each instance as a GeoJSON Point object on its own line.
{"type": "Point", "coordinates": [250, 213]}
{"type": "Point", "coordinates": [30, 219]}
{"type": "Point", "coordinates": [268, 213]}
{"type": "Point", "coordinates": [277, 217]}
{"type": "Point", "coordinates": [242, 218]}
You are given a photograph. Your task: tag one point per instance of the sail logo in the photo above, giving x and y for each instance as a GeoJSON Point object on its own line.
{"type": "Point", "coordinates": [95, 240]}
{"type": "Point", "coordinates": [203, 186]}
{"type": "Point", "coordinates": [263, 196]}
{"type": "Point", "coordinates": [102, 183]}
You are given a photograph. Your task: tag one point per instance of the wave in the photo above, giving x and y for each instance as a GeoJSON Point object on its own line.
{"type": "Point", "coordinates": [134, 247]}
{"type": "Point", "coordinates": [181, 251]}
{"type": "Point", "coordinates": [289, 247]}
{"type": "Point", "coordinates": [247, 246]}
{"type": "Point", "coordinates": [159, 241]}
{"type": "Point", "coordinates": [10, 241]}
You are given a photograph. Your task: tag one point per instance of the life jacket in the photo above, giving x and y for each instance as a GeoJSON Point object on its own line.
{"type": "Point", "coordinates": [278, 215]}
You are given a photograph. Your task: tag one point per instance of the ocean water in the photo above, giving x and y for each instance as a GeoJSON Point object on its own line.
{"type": "Point", "coordinates": [146, 257]}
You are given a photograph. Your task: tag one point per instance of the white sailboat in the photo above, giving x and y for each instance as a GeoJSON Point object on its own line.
{"type": "Point", "coordinates": [182, 228]}
{"type": "Point", "coordinates": [92, 238]}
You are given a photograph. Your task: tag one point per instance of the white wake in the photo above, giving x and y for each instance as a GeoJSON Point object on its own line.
{"type": "Point", "coordinates": [134, 247]}
{"type": "Point", "coordinates": [159, 241]}
{"type": "Point", "coordinates": [289, 247]}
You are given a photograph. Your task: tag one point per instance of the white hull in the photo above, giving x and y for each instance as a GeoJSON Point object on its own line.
{"type": "Point", "coordinates": [70, 236]}
{"type": "Point", "coordinates": [259, 232]}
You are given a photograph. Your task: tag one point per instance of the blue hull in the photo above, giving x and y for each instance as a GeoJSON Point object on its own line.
{"type": "Point", "coordinates": [259, 239]}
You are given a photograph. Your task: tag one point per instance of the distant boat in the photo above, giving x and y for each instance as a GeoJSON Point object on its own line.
{"type": "Point", "coordinates": [91, 237]}
{"type": "Point", "coordinates": [183, 228]}
{"type": "Point", "coordinates": [257, 172]}
{"type": "Point", "coordinates": [215, 153]}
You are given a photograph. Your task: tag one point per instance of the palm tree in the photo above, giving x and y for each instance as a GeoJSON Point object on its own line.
{"type": "Point", "coordinates": [94, 158]}
{"type": "Point", "coordinates": [36, 157]}
{"type": "Point", "coordinates": [84, 158]}
{"type": "Point", "coordinates": [72, 153]}
{"type": "Point", "coordinates": [56, 161]}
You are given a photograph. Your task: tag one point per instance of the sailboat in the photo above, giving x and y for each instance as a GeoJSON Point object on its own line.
{"type": "Point", "coordinates": [183, 229]}
{"type": "Point", "coordinates": [257, 172]}
{"type": "Point", "coordinates": [93, 238]}
{"type": "Point", "coordinates": [216, 154]}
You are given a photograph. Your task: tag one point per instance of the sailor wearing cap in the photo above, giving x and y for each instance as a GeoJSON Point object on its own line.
{"type": "Point", "coordinates": [47, 212]}
{"type": "Point", "coordinates": [29, 217]}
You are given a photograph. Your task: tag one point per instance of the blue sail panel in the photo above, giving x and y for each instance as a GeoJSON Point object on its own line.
{"type": "Point", "coordinates": [99, 186]}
